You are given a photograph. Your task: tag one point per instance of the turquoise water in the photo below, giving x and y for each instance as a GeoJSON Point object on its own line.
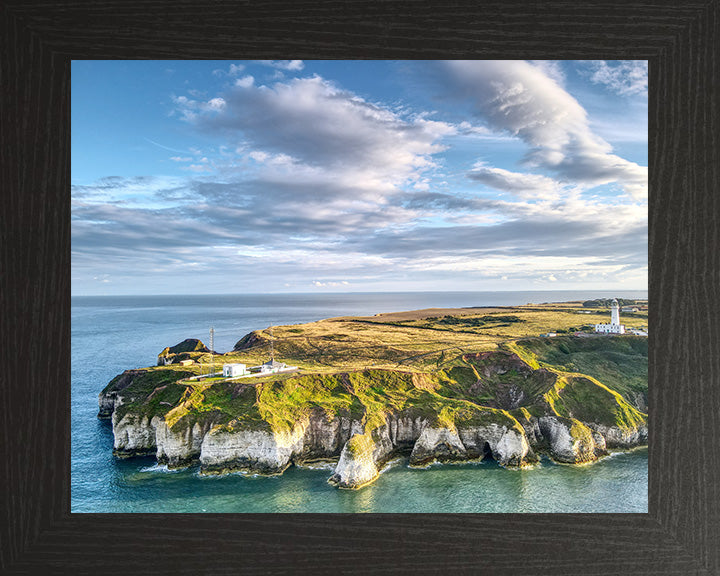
{"type": "Point", "coordinates": [111, 334]}
{"type": "Point", "coordinates": [616, 484]}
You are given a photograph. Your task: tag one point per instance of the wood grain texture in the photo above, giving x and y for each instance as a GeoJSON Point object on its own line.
{"type": "Point", "coordinates": [681, 533]}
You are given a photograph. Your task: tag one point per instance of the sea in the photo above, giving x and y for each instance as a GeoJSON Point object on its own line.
{"type": "Point", "coordinates": [111, 334]}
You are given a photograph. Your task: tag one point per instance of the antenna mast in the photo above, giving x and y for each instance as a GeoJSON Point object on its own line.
{"type": "Point", "coordinates": [272, 346]}
{"type": "Point", "coordinates": [212, 347]}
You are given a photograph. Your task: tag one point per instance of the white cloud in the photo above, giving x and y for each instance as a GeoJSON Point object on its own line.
{"type": "Point", "coordinates": [245, 81]}
{"type": "Point", "coordinates": [191, 109]}
{"type": "Point", "coordinates": [521, 99]}
{"type": "Point", "coordinates": [321, 150]}
{"type": "Point", "coordinates": [330, 284]}
{"type": "Point", "coordinates": [198, 168]}
{"type": "Point", "coordinates": [216, 104]}
{"type": "Point", "coordinates": [290, 65]}
{"type": "Point", "coordinates": [526, 186]}
{"type": "Point", "coordinates": [625, 77]}
{"type": "Point", "coordinates": [466, 128]}
{"type": "Point", "coordinates": [552, 69]}
{"type": "Point", "coordinates": [235, 69]}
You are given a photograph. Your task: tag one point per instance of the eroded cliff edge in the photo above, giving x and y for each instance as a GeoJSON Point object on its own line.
{"type": "Point", "coordinates": [509, 405]}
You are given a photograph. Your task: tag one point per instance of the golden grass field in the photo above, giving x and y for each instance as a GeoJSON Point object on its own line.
{"type": "Point", "coordinates": [422, 339]}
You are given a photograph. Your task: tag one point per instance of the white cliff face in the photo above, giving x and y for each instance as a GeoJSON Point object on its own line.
{"type": "Point", "coordinates": [325, 438]}
{"type": "Point", "coordinates": [616, 437]}
{"type": "Point", "coordinates": [133, 435]}
{"type": "Point", "coordinates": [532, 430]}
{"type": "Point", "coordinates": [180, 446]}
{"type": "Point", "coordinates": [600, 445]}
{"type": "Point", "coordinates": [441, 444]}
{"type": "Point", "coordinates": [107, 404]}
{"type": "Point", "coordinates": [357, 465]}
{"type": "Point", "coordinates": [364, 454]}
{"type": "Point", "coordinates": [404, 430]}
{"type": "Point", "coordinates": [512, 448]}
{"type": "Point", "coordinates": [566, 446]}
{"type": "Point", "coordinates": [258, 450]}
{"type": "Point", "coordinates": [508, 445]}
{"type": "Point", "coordinates": [361, 453]}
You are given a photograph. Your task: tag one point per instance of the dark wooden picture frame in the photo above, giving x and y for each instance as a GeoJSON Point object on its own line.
{"type": "Point", "coordinates": [680, 534]}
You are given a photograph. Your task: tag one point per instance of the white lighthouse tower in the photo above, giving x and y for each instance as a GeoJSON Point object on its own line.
{"type": "Point", "coordinates": [614, 327]}
{"type": "Point", "coordinates": [615, 312]}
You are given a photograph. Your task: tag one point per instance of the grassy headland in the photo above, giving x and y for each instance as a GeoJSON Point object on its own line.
{"type": "Point", "coordinates": [448, 367]}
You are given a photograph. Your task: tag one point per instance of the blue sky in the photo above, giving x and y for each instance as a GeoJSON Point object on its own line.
{"type": "Point", "coordinates": [310, 176]}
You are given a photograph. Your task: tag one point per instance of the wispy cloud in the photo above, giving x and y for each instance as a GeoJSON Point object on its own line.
{"type": "Point", "coordinates": [164, 147]}
{"type": "Point", "coordinates": [626, 77]}
{"type": "Point", "coordinates": [526, 186]}
{"type": "Point", "coordinates": [522, 100]}
{"type": "Point", "coordinates": [290, 65]}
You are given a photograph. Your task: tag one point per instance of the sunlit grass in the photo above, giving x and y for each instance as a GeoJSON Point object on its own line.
{"type": "Point", "coordinates": [427, 364]}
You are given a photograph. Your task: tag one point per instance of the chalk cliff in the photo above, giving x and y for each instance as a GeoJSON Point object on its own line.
{"type": "Point", "coordinates": [492, 405]}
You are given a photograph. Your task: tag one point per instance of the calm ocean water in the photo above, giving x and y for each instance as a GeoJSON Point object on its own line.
{"type": "Point", "coordinates": [114, 333]}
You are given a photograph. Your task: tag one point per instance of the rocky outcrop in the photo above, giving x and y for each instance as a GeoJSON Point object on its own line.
{"type": "Point", "coordinates": [251, 340]}
{"type": "Point", "coordinates": [359, 463]}
{"type": "Point", "coordinates": [180, 445]}
{"type": "Point", "coordinates": [185, 350]}
{"type": "Point", "coordinates": [570, 441]}
{"type": "Point", "coordinates": [106, 405]}
{"type": "Point", "coordinates": [617, 437]}
{"type": "Point", "coordinates": [187, 345]}
{"type": "Point", "coordinates": [438, 444]}
{"type": "Point", "coordinates": [508, 445]}
{"type": "Point", "coordinates": [261, 451]}
{"type": "Point", "coordinates": [639, 400]}
{"type": "Point", "coordinates": [133, 435]}
{"type": "Point", "coordinates": [111, 397]}
{"type": "Point", "coordinates": [531, 427]}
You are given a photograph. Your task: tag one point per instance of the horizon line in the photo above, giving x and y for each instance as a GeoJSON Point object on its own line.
{"type": "Point", "coordinates": [317, 293]}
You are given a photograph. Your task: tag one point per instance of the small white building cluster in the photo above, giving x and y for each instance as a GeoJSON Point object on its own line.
{"type": "Point", "coordinates": [614, 327]}
{"type": "Point", "coordinates": [272, 366]}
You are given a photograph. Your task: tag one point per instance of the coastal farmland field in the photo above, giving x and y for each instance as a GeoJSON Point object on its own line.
{"type": "Point", "coordinates": [422, 339]}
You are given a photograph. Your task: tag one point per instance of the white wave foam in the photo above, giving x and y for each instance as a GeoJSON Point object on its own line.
{"type": "Point", "coordinates": [160, 468]}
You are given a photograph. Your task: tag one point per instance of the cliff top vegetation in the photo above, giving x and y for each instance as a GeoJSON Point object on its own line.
{"type": "Point", "coordinates": [485, 364]}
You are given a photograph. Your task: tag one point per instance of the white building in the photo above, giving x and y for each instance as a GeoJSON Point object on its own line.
{"type": "Point", "coordinates": [614, 327]}
{"type": "Point", "coordinates": [233, 370]}
{"type": "Point", "coordinates": [272, 366]}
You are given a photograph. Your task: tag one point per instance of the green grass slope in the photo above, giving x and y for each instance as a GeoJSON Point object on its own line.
{"type": "Point", "coordinates": [620, 362]}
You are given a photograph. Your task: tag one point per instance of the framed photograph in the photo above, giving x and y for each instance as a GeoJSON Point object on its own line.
{"type": "Point", "coordinates": [402, 306]}
{"type": "Point", "coordinates": [367, 270]}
